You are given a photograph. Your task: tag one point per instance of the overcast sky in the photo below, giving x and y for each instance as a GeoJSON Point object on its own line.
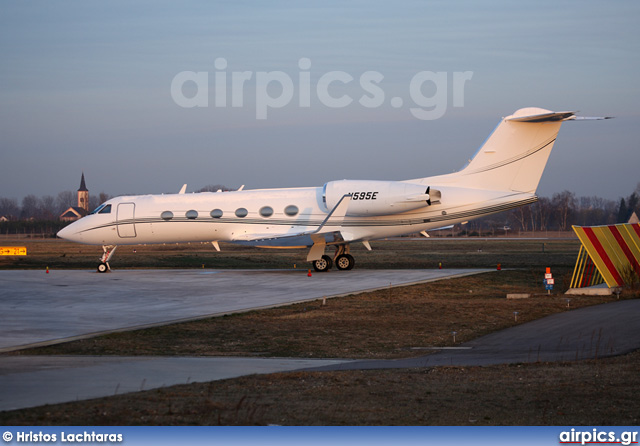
{"type": "Point", "coordinates": [87, 86]}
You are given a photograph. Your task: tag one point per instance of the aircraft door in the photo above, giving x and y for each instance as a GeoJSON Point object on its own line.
{"type": "Point", "coordinates": [126, 222]}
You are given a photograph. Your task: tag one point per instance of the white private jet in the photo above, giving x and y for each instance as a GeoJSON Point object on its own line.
{"type": "Point", "coordinates": [503, 174]}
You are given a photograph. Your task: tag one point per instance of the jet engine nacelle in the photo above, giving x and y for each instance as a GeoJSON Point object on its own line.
{"type": "Point", "coordinates": [379, 197]}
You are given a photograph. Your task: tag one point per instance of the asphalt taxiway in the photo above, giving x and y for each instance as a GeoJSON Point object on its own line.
{"type": "Point", "coordinates": [39, 308]}
{"type": "Point", "coordinates": [28, 381]}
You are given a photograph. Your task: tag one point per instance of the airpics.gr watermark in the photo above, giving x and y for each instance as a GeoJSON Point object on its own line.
{"type": "Point", "coordinates": [277, 89]}
{"type": "Point", "coordinates": [577, 436]}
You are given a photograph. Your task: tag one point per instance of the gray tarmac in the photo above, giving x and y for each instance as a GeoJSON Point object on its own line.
{"type": "Point", "coordinates": [31, 381]}
{"type": "Point", "coordinates": [37, 308]}
{"type": "Point", "coordinates": [41, 309]}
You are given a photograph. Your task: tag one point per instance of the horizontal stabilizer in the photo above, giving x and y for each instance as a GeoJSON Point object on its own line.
{"type": "Point", "coordinates": [589, 118]}
{"type": "Point", "coordinates": [542, 117]}
{"type": "Point", "coordinates": [552, 116]}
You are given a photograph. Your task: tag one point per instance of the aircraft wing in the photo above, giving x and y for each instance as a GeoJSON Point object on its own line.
{"type": "Point", "coordinates": [301, 239]}
{"type": "Point", "coordinates": [328, 232]}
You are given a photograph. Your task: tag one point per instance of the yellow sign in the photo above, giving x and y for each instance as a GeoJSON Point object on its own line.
{"type": "Point", "coordinates": [13, 251]}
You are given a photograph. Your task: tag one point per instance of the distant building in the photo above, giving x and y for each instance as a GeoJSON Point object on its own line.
{"type": "Point", "coordinates": [76, 212]}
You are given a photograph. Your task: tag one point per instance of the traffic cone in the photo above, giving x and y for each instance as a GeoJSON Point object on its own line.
{"type": "Point", "coordinates": [499, 267]}
{"type": "Point", "coordinates": [309, 273]}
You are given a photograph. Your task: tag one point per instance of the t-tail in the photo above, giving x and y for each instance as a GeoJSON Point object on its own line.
{"type": "Point", "coordinates": [515, 154]}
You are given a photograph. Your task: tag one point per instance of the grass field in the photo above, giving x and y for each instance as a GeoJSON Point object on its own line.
{"type": "Point", "coordinates": [382, 324]}
{"type": "Point", "coordinates": [386, 254]}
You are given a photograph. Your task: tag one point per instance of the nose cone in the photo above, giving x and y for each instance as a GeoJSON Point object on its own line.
{"type": "Point", "coordinates": [70, 233]}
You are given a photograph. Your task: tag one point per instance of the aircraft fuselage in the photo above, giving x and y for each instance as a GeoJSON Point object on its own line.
{"type": "Point", "coordinates": [252, 216]}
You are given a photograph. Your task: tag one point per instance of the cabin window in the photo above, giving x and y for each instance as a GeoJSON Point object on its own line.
{"type": "Point", "coordinates": [266, 211]}
{"type": "Point", "coordinates": [241, 212]}
{"type": "Point", "coordinates": [216, 213]}
{"type": "Point", "coordinates": [166, 215]}
{"type": "Point", "coordinates": [192, 214]}
{"type": "Point", "coordinates": [291, 210]}
{"type": "Point", "coordinates": [105, 210]}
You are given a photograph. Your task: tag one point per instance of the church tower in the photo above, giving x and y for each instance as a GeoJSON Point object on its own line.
{"type": "Point", "coordinates": [83, 195]}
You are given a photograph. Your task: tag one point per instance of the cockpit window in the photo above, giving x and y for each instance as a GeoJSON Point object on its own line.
{"type": "Point", "coordinates": [102, 209]}
{"type": "Point", "coordinates": [96, 210]}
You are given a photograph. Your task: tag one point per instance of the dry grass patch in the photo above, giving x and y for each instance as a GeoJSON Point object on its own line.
{"type": "Point", "coordinates": [602, 392]}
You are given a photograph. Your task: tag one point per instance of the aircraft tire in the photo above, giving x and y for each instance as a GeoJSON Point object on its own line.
{"type": "Point", "coordinates": [103, 268]}
{"type": "Point", "coordinates": [323, 265]}
{"type": "Point", "coordinates": [345, 262]}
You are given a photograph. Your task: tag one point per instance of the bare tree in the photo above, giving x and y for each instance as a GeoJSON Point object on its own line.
{"type": "Point", "coordinates": [94, 202]}
{"type": "Point", "coordinates": [65, 200]}
{"type": "Point", "coordinates": [533, 216]}
{"type": "Point", "coordinates": [9, 208]}
{"type": "Point", "coordinates": [610, 208]}
{"type": "Point", "coordinates": [30, 207]}
{"type": "Point", "coordinates": [564, 204]}
{"type": "Point", "coordinates": [599, 212]}
{"type": "Point", "coordinates": [542, 211]}
{"type": "Point", "coordinates": [522, 216]}
{"type": "Point", "coordinates": [104, 197]}
{"type": "Point", "coordinates": [47, 208]}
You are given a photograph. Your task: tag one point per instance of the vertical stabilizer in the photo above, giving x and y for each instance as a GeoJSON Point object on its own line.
{"type": "Point", "coordinates": [516, 153]}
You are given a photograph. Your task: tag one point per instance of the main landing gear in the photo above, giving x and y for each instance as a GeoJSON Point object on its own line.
{"type": "Point", "coordinates": [342, 259]}
{"type": "Point", "coordinates": [108, 252]}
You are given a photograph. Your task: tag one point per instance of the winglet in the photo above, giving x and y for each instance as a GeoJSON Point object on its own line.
{"type": "Point", "coordinates": [183, 190]}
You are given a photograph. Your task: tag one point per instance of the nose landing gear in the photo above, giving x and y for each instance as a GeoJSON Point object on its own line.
{"type": "Point", "coordinates": [108, 251]}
